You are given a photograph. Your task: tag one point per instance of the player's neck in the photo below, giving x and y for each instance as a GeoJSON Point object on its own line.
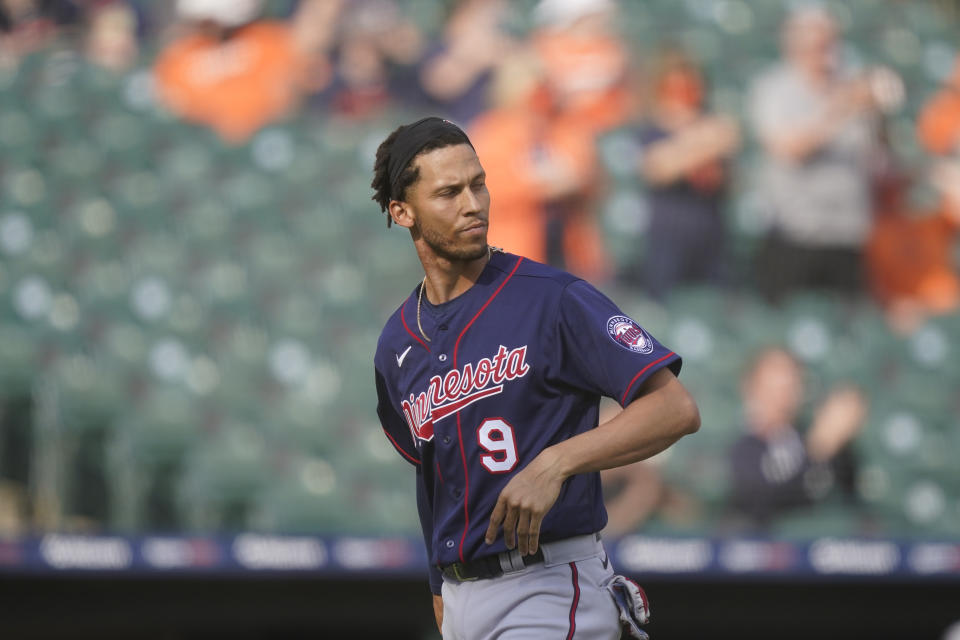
{"type": "Point", "coordinates": [447, 279]}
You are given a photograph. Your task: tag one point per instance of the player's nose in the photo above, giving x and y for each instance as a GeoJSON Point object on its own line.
{"type": "Point", "coordinates": [472, 203]}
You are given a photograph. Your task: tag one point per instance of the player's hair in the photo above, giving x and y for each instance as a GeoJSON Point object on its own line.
{"type": "Point", "coordinates": [384, 192]}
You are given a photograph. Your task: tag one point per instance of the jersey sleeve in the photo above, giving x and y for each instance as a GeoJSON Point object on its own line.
{"type": "Point", "coordinates": [394, 426]}
{"type": "Point", "coordinates": [602, 350]}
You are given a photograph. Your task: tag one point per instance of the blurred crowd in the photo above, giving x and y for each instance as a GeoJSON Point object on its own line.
{"type": "Point", "coordinates": [842, 213]}
{"type": "Point", "coordinates": [840, 208]}
{"type": "Point", "coordinates": [788, 458]}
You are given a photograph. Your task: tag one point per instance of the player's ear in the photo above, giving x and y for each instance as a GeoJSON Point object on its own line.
{"type": "Point", "coordinates": [401, 213]}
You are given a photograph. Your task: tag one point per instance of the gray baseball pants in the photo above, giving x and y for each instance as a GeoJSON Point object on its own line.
{"type": "Point", "coordinates": [565, 596]}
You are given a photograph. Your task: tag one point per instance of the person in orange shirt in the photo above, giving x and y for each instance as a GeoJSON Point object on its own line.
{"type": "Point", "coordinates": [235, 73]}
{"type": "Point", "coordinates": [585, 62]}
{"type": "Point", "coordinates": [531, 158]}
{"type": "Point", "coordinates": [938, 126]}
{"type": "Point", "coordinates": [910, 254]}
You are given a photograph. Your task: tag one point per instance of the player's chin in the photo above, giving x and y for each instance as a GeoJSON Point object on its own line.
{"type": "Point", "coordinates": [472, 243]}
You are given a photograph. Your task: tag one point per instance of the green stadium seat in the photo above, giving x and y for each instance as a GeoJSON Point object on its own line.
{"type": "Point", "coordinates": [20, 356]}
{"type": "Point", "coordinates": [18, 137]}
{"type": "Point", "coordinates": [205, 224]}
{"type": "Point", "coordinates": [77, 402]}
{"type": "Point", "coordinates": [699, 468]}
{"type": "Point", "coordinates": [755, 324]}
{"type": "Point", "coordinates": [305, 421]}
{"type": "Point", "coordinates": [831, 519]}
{"type": "Point", "coordinates": [394, 507]}
{"type": "Point", "coordinates": [220, 474]}
{"type": "Point", "coordinates": [308, 497]}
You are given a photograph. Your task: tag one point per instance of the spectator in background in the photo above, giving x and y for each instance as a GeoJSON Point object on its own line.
{"type": "Point", "coordinates": [111, 39]}
{"type": "Point", "coordinates": [235, 73]}
{"type": "Point", "coordinates": [457, 71]}
{"type": "Point", "coordinates": [586, 67]}
{"type": "Point", "coordinates": [28, 25]}
{"type": "Point", "coordinates": [585, 61]}
{"type": "Point", "coordinates": [815, 120]}
{"type": "Point", "coordinates": [684, 161]}
{"type": "Point", "coordinates": [939, 122]}
{"type": "Point", "coordinates": [531, 158]}
{"type": "Point", "coordinates": [910, 254]}
{"type": "Point", "coordinates": [773, 468]}
{"type": "Point", "coordinates": [375, 60]}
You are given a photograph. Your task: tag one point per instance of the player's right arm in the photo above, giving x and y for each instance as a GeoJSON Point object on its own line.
{"type": "Point", "coordinates": [662, 414]}
{"type": "Point", "coordinates": [598, 349]}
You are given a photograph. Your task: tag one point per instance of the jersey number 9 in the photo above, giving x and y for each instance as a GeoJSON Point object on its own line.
{"type": "Point", "coordinates": [495, 436]}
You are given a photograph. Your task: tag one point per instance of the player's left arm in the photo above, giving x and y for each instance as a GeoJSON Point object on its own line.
{"type": "Point", "coordinates": [662, 412]}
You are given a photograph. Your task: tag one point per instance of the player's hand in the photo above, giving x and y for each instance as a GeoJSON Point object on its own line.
{"type": "Point", "coordinates": [524, 502]}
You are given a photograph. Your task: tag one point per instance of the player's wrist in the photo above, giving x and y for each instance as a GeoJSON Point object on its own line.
{"type": "Point", "coordinates": [556, 461]}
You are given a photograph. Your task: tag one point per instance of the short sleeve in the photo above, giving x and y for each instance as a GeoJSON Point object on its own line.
{"type": "Point", "coordinates": [601, 349]}
{"type": "Point", "coordinates": [394, 426]}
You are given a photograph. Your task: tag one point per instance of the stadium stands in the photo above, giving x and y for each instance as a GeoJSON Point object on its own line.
{"type": "Point", "coordinates": [198, 321]}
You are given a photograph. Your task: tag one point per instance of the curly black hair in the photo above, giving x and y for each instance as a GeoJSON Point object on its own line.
{"type": "Point", "coordinates": [383, 191]}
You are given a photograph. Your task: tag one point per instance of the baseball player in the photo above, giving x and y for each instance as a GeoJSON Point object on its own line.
{"type": "Point", "coordinates": [489, 378]}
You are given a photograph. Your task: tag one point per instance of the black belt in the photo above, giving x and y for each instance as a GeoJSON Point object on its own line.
{"type": "Point", "coordinates": [485, 567]}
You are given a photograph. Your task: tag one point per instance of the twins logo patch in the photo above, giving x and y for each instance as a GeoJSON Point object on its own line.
{"type": "Point", "coordinates": [629, 335]}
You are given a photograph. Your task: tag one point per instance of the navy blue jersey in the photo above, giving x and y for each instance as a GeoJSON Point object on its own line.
{"type": "Point", "coordinates": [515, 364]}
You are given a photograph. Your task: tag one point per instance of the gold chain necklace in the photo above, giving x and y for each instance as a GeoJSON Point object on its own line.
{"type": "Point", "coordinates": [423, 285]}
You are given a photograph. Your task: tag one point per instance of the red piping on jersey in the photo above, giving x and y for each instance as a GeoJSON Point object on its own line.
{"type": "Point", "coordinates": [576, 600]}
{"type": "Point", "coordinates": [412, 334]}
{"type": "Point", "coordinates": [463, 454]}
{"type": "Point", "coordinates": [400, 449]}
{"type": "Point", "coordinates": [439, 475]}
{"type": "Point", "coordinates": [643, 371]}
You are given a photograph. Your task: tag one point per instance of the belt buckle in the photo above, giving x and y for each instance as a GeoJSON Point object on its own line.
{"type": "Point", "coordinates": [456, 566]}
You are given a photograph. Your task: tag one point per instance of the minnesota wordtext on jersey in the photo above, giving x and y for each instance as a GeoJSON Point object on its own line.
{"type": "Point", "coordinates": [459, 388]}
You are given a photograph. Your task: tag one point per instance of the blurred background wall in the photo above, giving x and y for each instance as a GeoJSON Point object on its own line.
{"type": "Point", "coordinates": [193, 275]}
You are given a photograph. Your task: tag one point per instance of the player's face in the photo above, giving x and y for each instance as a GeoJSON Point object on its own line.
{"type": "Point", "coordinates": [450, 203]}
